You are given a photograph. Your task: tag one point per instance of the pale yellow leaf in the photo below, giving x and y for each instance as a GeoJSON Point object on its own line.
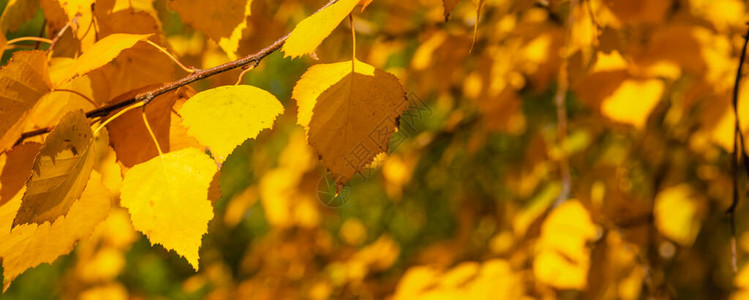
{"type": "Point", "coordinates": [310, 32]}
{"type": "Point", "coordinates": [632, 101]}
{"type": "Point", "coordinates": [563, 259]}
{"type": "Point", "coordinates": [167, 198]}
{"type": "Point", "coordinates": [222, 118]}
{"type": "Point", "coordinates": [676, 214]}
{"type": "Point", "coordinates": [60, 171]}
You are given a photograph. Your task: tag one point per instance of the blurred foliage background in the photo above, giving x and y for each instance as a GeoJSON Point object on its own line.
{"type": "Point", "coordinates": [466, 204]}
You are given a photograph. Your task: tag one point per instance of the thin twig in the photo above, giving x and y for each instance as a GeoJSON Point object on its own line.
{"type": "Point", "coordinates": [199, 74]}
{"type": "Point", "coordinates": [61, 32]}
{"type": "Point", "coordinates": [89, 100]}
{"type": "Point", "coordinates": [738, 138]}
{"type": "Point", "coordinates": [560, 99]}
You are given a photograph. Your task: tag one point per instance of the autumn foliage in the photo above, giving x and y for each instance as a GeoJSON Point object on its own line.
{"type": "Point", "coordinates": [370, 149]}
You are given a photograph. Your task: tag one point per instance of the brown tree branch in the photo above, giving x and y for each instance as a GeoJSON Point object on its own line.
{"type": "Point", "coordinates": [738, 141]}
{"type": "Point", "coordinates": [199, 74]}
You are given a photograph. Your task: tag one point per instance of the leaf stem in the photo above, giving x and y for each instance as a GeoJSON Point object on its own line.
{"type": "Point", "coordinates": [738, 138]}
{"type": "Point", "coordinates": [77, 93]}
{"type": "Point", "coordinates": [150, 132]}
{"type": "Point", "coordinates": [117, 115]}
{"type": "Point", "coordinates": [174, 59]}
{"type": "Point", "coordinates": [29, 39]}
{"type": "Point", "coordinates": [353, 41]}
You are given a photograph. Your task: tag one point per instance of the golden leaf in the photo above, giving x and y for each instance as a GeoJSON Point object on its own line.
{"type": "Point", "coordinates": [222, 118]}
{"type": "Point", "coordinates": [564, 259]}
{"type": "Point", "coordinates": [23, 81]}
{"type": "Point", "coordinates": [16, 169]}
{"type": "Point", "coordinates": [353, 119]}
{"type": "Point", "coordinates": [16, 12]}
{"type": "Point", "coordinates": [310, 32]}
{"type": "Point", "coordinates": [44, 243]}
{"type": "Point", "coordinates": [60, 171]}
{"type": "Point", "coordinates": [223, 21]}
{"type": "Point", "coordinates": [167, 198]}
{"type": "Point", "coordinates": [676, 214]}
{"type": "Point", "coordinates": [633, 101]}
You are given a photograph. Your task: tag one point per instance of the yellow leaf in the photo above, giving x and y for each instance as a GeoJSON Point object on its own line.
{"type": "Point", "coordinates": [60, 171]}
{"type": "Point", "coordinates": [563, 259]}
{"type": "Point", "coordinates": [15, 13]}
{"type": "Point", "coordinates": [632, 101]}
{"type": "Point", "coordinates": [584, 35]}
{"type": "Point", "coordinates": [352, 118]}
{"type": "Point", "coordinates": [53, 106]}
{"type": "Point", "coordinates": [223, 20]}
{"type": "Point", "coordinates": [676, 214]}
{"type": "Point", "coordinates": [310, 32]}
{"type": "Point", "coordinates": [722, 133]}
{"type": "Point", "coordinates": [104, 51]}
{"type": "Point", "coordinates": [77, 13]}
{"type": "Point", "coordinates": [534, 209]}
{"type": "Point", "coordinates": [167, 198]}
{"type": "Point", "coordinates": [16, 169]}
{"type": "Point", "coordinates": [222, 118]}
{"type": "Point", "coordinates": [23, 81]}
{"type": "Point", "coordinates": [29, 245]}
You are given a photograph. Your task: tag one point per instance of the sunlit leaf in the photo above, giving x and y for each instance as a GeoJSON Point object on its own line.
{"type": "Point", "coordinates": [310, 32]}
{"type": "Point", "coordinates": [60, 171]}
{"type": "Point", "coordinates": [224, 117]}
{"type": "Point", "coordinates": [167, 198]}
{"type": "Point", "coordinates": [44, 243]}
{"type": "Point", "coordinates": [564, 259]}
{"type": "Point", "coordinates": [620, 107]}
{"type": "Point", "coordinates": [676, 214]}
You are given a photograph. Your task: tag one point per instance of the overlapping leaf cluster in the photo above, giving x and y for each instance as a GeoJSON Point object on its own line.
{"type": "Point", "coordinates": [161, 172]}
{"type": "Point", "coordinates": [472, 199]}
